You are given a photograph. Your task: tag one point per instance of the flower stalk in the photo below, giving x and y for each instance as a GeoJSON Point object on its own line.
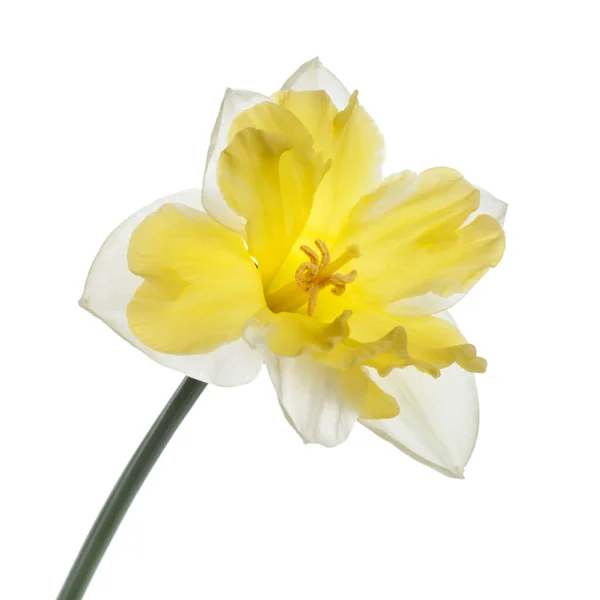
{"type": "Point", "coordinates": [127, 487]}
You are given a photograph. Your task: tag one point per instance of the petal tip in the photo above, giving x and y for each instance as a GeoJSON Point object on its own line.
{"type": "Point", "coordinates": [451, 472]}
{"type": "Point", "coordinates": [85, 303]}
{"type": "Point", "coordinates": [313, 75]}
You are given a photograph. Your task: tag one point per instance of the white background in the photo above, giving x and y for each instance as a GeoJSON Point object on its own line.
{"type": "Point", "coordinates": [106, 106]}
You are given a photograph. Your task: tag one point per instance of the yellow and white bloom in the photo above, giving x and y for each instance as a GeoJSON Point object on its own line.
{"type": "Point", "coordinates": [298, 254]}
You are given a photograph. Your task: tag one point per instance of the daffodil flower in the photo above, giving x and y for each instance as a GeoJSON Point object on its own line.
{"type": "Point", "coordinates": [298, 254]}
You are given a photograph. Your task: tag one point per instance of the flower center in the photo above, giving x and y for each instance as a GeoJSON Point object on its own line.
{"type": "Point", "coordinates": [313, 276]}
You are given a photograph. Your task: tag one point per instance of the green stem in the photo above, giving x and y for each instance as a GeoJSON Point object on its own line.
{"type": "Point", "coordinates": [127, 487]}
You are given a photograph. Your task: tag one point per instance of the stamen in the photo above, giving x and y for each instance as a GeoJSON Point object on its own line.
{"type": "Point", "coordinates": [324, 250]}
{"type": "Point", "coordinates": [312, 279]}
{"type": "Point", "coordinates": [349, 254]}
{"type": "Point", "coordinates": [340, 279]}
{"type": "Point", "coordinates": [312, 300]}
{"type": "Point", "coordinates": [305, 272]}
{"type": "Point", "coordinates": [314, 276]}
{"type": "Point", "coordinates": [314, 259]}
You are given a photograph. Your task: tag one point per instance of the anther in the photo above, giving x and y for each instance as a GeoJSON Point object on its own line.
{"type": "Point", "coordinates": [312, 255]}
{"type": "Point", "coordinates": [316, 275]}
{"type": "Point", "coordinates": [313, 276]}
{"type": "Point", "coordinates": [324, 250]}
{"type": "Point", "coordinates": [305, 272]}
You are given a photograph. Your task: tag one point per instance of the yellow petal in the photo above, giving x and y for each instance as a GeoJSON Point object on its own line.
{"type": "Point", "coordinates": [316, 112]}
{"type": "Point", "coordinates": [432, 343]}
{"type": "Point", "coordinates": [413, 240]}
{"type": "Point", "coordinates": [387, 352]}
{"type": "Point", "coordinates": [364, 395]}
{"type": "Point", "coordinates": [378, 404]}
{"type": "Point", "coordinates": [272, 118]}
{"type": "Point", "coordinates": [438, 342]}
{"type": "Point", "coordinates": [234, 102]}
{"type": "Point", "coordinates": [351, 142]}
{"type": "Point", "coordinates": [291, 334]}
{"type": "Point", "coordinates": [271, 183]}
{"type": "Point", "coordinates": [200, 286]}
{"type": "Point", "coordinates": [356, 149]}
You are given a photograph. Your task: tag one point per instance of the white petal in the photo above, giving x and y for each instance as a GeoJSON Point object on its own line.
{"type": "Point", "coordinates": [312, 399]}
{"type": "Point", "coordinates": [110, 286]}
{"type": "Point", "coordinates": [438, 420]}
{"type": "Point", "coordinates": [429, 303]}
{"type": "Point", "coordinates": [234, 102]}
{"type": "Point", "coordinates": [490, 205]}
{"type": "Point", "coordinates": [314, 76]}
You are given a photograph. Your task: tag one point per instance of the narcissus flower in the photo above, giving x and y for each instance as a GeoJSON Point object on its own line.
{"type": "Point", "coordinates": [299, 255]}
